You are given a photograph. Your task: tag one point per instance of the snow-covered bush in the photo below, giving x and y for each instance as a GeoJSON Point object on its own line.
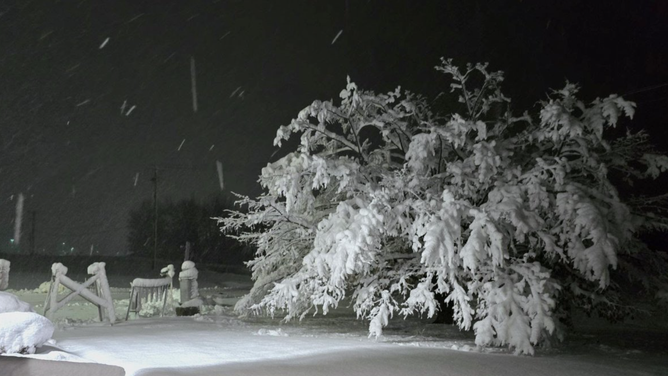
{"type": "Point", "coordinates": [389, 202]}
{"type": "Point", "coordinates": [23, 332]}
{"type": "Point", "coordinates": [44, 288]}
{"type": "Point", "coordinates": [21, 329]}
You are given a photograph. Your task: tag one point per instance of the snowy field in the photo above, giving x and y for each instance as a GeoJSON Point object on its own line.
{"type": "Point", "coordinates": [217, 342]}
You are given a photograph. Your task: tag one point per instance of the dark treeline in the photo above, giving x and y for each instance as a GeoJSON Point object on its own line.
{"type": "Point", "coordinates": [181, 222]}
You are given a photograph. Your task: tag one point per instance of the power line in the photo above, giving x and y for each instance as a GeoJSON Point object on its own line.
{"type": "Point", "coordinates": [646, 89]}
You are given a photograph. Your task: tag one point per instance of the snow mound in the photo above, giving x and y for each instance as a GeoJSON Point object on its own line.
{"type": "Point", "coordinates": [23, 332]}
{"type": "Point", "coordinates": [11, 303]}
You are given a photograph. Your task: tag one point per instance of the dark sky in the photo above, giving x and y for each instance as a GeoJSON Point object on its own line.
{"type": "Point", "coordinates": [65, 144]}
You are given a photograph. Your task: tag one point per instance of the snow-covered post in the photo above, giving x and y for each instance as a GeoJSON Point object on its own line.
{"type": "Point", "coordinates": [4, 274]}
{"type": "Point", "coordinates": [188, 281]}
{"type": "Point", "coordinates": [51, 303]}
{"type": "Point", "coordinates": [169, 272]}
{"type": "Point", "coordinates": [103, 290]}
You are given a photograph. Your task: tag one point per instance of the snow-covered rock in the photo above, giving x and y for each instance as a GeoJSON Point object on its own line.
{"type": "Point", "coordinates": [23, 332]}
{"type": "Point", "coordinates": [11, 303]}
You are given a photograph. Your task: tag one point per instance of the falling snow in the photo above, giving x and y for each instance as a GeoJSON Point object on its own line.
{"type": "Point", "coordinates": [193, 83]}
{"type": "Point", "coordinates": [235, 91]}
{"type": "Point", "coordinates": [219, 168]}
{"type": "Point", "coordinates": [104, 43]}
{"type": "Point", "coordinates": [130, 110]}
{"type": "Point", "coordinates": [19, 219]}
{"type": "Point", "coordinates": [337, 36]}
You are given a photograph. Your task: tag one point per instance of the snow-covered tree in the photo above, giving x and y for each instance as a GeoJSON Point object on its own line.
{"type": "Point", "coordinates": [388, 202]}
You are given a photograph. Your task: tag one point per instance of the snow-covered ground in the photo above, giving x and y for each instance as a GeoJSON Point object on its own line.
{"type": "Point", "coordinates": [217, 342]}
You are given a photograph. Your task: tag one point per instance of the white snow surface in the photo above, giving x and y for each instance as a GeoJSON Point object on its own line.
{"type": "Point", "coordinates": [217, 342]}
{"type": "Point", "coordinates": [23, 332]}
{"type": "Point", "coordinates": [224, 345]}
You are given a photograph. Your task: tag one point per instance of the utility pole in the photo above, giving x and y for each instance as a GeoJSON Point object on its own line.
{"type": "Point", "coordinates": [155, 216]}
{"type": "Point", "coordinates": [32, 233]}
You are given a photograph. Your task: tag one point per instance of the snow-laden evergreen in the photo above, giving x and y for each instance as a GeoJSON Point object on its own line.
{"type": "Point", "coordinates": [388, 202]}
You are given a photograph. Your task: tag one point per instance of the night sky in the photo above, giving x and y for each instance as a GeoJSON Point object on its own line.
{"type": "Point", "coordinates": [68, 147]}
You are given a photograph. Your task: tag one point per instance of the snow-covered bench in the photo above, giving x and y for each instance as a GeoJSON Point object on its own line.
{"type": "Point", "coordinates": [4, 274]}
{"type": "Point", "coordinates": [151, 290]}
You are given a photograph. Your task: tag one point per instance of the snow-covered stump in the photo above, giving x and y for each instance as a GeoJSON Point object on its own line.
{"type": "Point", "coordinates": [102, 300]}
{"type": "Point", "coordinates": [151, 290]}
{"type": "Point", "coordinates": [4, 274]}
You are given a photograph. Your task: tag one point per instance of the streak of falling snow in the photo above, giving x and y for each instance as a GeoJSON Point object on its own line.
{"type": "Point", "coordinates": [125, 103]}
{"type": "Point", "coordinates": [84, 102]}
{"type": "Point", "coordinates": [235, 91]}
{"type": "Point", "coordinates": [104, 43]}
{"type": "Point", "coordinates": [135, 17]}
{"type": "Point", "coordinates": [130, 110]}
{"type": "Point", "coordinates": [193, 82]}
{"type": "Point", "coordinates": [19, 219]}
{"type": "Point", "coordinates": [136, 179]}
{"type": "Point", "coordinates": [182, 142]}
{"type": "Point", "coordinates": [219, 167]}
{"type": "Point", "coordinates": [337, 36]}
{"type": "Point", "coordinates": [75, 66]}
{"type": "Point", "coordinates": [211, 148]}
{"type": "Point", "coordinates": [46, 34]}
{"type": "Point", "coordinates": [169, 57]}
